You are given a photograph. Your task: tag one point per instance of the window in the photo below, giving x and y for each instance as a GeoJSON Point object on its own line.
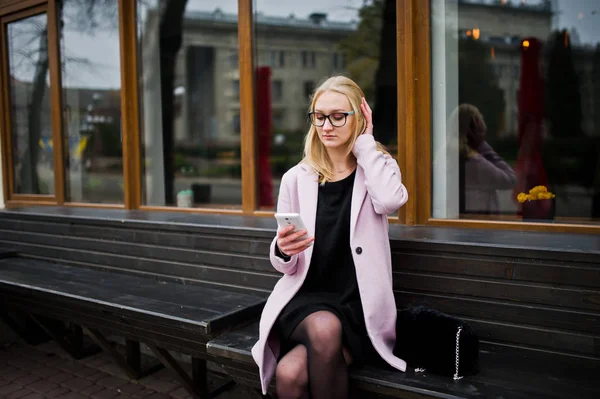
{"type": "Point", "coordinates": [338, 61]}
{"type": "Point", "coordinates": [308, 59]}
{"type": "Point", "coordinates": [277, 90]}
{"type": "Point", "coordinates": [236, 125]}
{"type": "Point", "coordinates": [276, 59]}
{"type": "Point", "coordinates": [524, 147]}
{"type": "Point", "coordinates": [233, 59]}
{"type": "Point", "coordinates": [91, 92]}
{"type": "Point", "coordinates": [308, 88]}
{"type": "Point", "coordinates": [197, 149]}
{"type": "Point", "coordinates": [30, 126]}
{"type": "Point", "coordinates": [236, 89]}
{"type": "Point", "coordinates": [88, 149]}
{"type": "Point", "coordinates": [314, 51]}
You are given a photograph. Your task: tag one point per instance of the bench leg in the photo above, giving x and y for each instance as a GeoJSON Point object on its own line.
{"type": "Point", "coordinates": [28, 329]}
{"type": "Point", "coordinates": [132, 363]}
{"type": "Point", "coordinates": [133, 355]}
{"type": "Point", "coordinates": [197, 384]}
{"type": "Point", "coordinates": [69, 339]}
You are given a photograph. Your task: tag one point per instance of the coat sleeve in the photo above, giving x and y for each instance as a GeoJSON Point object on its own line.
{"type": "Point", "coordinates": [382, 174]}
{"type": "Point", "coordinates": [284, 205]}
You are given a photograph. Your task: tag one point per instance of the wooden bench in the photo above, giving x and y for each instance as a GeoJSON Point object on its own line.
{"type": "Point", "coordinates": [506, 372]}
{"type": "Point", "coordinates": [163, 315]}
{"type": "Point", "coordinates": [533, 298]}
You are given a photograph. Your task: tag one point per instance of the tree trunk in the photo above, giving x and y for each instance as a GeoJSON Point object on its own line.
{"type": "Point", "coordinates": [386, 85]}
{"type": "Point", "coordinates": [29, 176]}
{"type": "Point", "coordinates": [171, 35]}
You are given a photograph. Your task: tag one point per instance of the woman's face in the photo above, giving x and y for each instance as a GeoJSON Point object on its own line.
{"type": "Point", "coordinates": [334, 104]}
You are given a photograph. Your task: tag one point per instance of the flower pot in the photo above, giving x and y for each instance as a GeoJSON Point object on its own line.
{"type": "Point", "coordinates": [542, 210]}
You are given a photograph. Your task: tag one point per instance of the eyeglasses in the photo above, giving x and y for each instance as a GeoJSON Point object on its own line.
{"type": "Point", "coordinates": [337, 119]}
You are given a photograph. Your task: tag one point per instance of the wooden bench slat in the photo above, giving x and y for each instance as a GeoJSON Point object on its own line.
{"type": "Point", "coordinates": [6, 253]}
{"type": "Point", "coordinates": [208, 308]}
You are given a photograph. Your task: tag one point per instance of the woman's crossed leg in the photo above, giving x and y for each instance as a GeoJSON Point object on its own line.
{"type": "Point", "coordinates": [319, 362]}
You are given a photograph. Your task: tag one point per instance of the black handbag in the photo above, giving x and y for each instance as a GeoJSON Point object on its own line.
{"type": "Point", "coordinates": [435, 341]}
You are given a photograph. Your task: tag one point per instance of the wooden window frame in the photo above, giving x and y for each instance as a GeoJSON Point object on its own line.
{"type": "Point", "coordinates": [417, 166]}
{"type": "Point", "coordinates": [414, 115]}
{"type": "Point", "coordinates": [8, 14]}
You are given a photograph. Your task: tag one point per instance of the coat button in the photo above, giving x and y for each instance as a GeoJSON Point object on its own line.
{"type": "Point", "coordinates": [359, 250]}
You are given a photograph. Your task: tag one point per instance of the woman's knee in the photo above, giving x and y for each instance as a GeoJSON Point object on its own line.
{"type": "Point", "coordinates": [291, 375]}
{"type": "Point", "coordinates": [325, 334]}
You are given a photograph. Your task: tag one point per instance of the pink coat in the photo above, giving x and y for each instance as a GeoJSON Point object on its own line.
{"type": "Point", "coordinates": [378, 191]}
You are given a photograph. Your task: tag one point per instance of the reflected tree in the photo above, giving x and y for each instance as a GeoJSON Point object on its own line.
{"type": "Point", "coordinates": [29, 181]}
{"type": "Point", "coordinates": [370, 53]}
{"type": "Point", "coordinates": [85, 16]}
{"type": "Point", "coordinates": [171, 36]}
{"type": "Point", "coordinates": [563, 100]}
{"type": "Point", "coordinates": [477, 82]}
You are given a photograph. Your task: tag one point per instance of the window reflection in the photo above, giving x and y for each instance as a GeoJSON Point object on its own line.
{"type": "Point", "coordinates": [515, 91]}
{"type": "Point", "coordinates": [31, 133]}
{"type": "Point", "coordinates": [189, 100]}
{"type": "Point", "coordinates": [355, 38]}
{"type": "Point", "coordinates": [91, 93]}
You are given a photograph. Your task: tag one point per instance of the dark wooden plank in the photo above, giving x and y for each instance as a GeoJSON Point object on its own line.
{"type": "Point", "coordinates": [141, 251]}
{"type": "Point", "coordinates": [500, 267]}
{"type": "Point", "coordinates": [207, 308]}
{"type": "Point", "coordinates": [539, 338]}
{"type": "Point", "coordinates": [195, 345]}
{"type": "Point", "coordinates": [210, 274]}
{"type": "Point", "coordinates": [7, 253]}
{"type": "Point", "coordinates": [235, 345]}
{"type": "Point", "coordinates": [542, 294]}
{"type": "Point", "coordinates": [242, 226]}
{"type": "Point", "coordinates": [504, 311]}
{"type": "Point", "coordinates": [569, 247]}
{"type": "Point", "coordinates": [526, 244]}
{"type": "Point", "coordinates": [224, 243]}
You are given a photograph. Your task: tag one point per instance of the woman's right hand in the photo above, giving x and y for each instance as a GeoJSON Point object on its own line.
{"type": "Point", "coordinates": [289, 243]}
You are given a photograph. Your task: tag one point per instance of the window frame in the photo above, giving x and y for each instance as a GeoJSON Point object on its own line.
{"type": "Point", "coordinates": [416, 167]}
{"type": "Point", "coordinates": [9, 14]}
{"type": "Point", "coordinates": [414, 115]}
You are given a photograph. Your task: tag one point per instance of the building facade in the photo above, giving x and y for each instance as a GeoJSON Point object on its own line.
{"type": "Point", "coordinates": [200, 106]}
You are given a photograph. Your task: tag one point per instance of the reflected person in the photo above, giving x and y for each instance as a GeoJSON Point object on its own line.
{"type": "Point", "coordinates": [482, 170]}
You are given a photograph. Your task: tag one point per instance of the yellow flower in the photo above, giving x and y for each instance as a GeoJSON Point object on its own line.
{"type": "Point", "coordinates": [536, 193]}
{"type": "Point", "coordinates": [522, 197]}
{"type": "Point", "coordinates": [538, 190]}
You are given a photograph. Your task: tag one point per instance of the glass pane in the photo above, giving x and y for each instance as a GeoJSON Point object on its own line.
{"type": "Point", "coordinates": [91, 90]}
{"type": "Point", "coordinates": [515, 104]}
{"type": "Point", "coordinates": [297, 47]}
{"type": "Point", "coordinates": [29, 85]}
{"type": "Point", "coordinates": [189, 101]}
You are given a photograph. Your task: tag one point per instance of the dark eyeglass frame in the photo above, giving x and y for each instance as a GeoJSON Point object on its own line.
{"type": "Point", "coordinates": [310, 118]}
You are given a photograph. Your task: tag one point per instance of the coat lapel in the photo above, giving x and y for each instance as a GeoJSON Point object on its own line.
{"type": "Point", "coordinates": [358, 196]}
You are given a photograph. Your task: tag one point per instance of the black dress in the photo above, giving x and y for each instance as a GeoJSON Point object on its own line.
{"type": "Point", "coordinates": [331, 280]}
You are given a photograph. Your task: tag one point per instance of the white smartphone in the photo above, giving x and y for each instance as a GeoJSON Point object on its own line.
{"type": "Point", "coordinates": [286, 219]}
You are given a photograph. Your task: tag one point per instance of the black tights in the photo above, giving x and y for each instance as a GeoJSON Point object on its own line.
{"type": "Point", "coordinates": [316, 363]}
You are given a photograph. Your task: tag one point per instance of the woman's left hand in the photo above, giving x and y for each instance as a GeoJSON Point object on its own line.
{"type": "Point", "coordinates": [368, 114]}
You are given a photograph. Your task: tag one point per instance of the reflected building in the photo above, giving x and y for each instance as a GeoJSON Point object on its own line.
{"type": "Point", "coordinates": [502, 25]}
{"type": "Point", "coordinates": [299, 51]}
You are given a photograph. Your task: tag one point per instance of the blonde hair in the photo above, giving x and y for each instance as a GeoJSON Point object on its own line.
{"type": "Point", "coordinates": [315, 153]}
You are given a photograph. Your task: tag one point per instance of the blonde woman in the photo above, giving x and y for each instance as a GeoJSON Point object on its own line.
{"type": "Point", "coordinates": [334, 304]}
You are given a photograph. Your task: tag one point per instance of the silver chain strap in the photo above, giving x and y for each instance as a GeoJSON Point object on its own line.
{"type": "Point", "coordinates": [456, 376]}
